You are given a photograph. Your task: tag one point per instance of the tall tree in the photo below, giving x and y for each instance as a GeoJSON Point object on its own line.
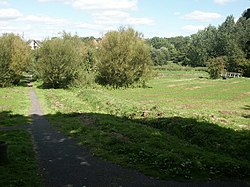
{"type": "Point", "coordinates": [124, 58]}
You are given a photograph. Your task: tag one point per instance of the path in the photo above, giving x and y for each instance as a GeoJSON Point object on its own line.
{"type": "Point", "coordinates": [65, 164]}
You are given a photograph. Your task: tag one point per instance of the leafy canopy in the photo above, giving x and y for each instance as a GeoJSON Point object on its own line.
{"type": "Point", "coordinates": [60, 61]}
{"type": "Point", "coordinates": [124, 58]}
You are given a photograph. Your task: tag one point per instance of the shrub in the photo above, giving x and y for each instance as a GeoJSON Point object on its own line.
{"type": "Point", "coordinates": [61, 61]}
{"type": "Point", "coordinates": [216, 66]}
{"type": "Point", "coordinates": [15, 58]}
{"type": "Point", "coordinates": [124, 59]}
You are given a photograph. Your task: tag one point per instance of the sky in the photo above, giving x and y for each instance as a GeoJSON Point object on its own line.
{"type": "Point", "coordinates": [41, 19]}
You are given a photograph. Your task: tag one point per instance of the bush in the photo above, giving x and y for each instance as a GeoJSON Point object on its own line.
{"type": "Point", "coordinates": [216, 66]}
{"type": "Point", "coordinates": [15, 58]}
{"type": "Point", "coordinates": [124, 59]}
{"type": "Point", "coordinates": [61, 61]}
{"type": "Point", "coordinates": [244, 67]}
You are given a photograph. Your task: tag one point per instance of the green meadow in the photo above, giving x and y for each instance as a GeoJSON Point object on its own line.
{"type": "Point", "coordinates": [181, 126]}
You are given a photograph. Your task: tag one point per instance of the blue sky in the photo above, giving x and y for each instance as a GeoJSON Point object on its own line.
{"type": "Point", "coordinates": [39, 19]}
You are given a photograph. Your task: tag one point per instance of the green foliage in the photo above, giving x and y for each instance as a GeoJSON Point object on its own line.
{"type": "Point", "coordinates": [123, 59]}
{"type": "Point", "coordinates": [160, 56]}
{"type": "Point", "coordinates": [15, 58]}
{"type": "Point", "coordinates": [216, 66]}
{"type": "Point", "coordinates": [244, 66]}
{"type": "Point", "coordinates": [61, 61]}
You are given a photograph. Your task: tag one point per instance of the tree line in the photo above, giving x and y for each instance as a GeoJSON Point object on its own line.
{"type": "Point", "coordinates": [120, 59]}
{"type": "Point", "coordinates": [226, 47]}
{"type": "Point", "coordinates": [123, 58]}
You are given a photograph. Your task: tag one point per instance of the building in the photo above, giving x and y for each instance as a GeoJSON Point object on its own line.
{"type": "Point", "coordinates": [34, 44]}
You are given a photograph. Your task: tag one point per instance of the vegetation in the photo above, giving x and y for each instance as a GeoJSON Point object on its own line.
{"type": "Point", "coordinates": [15, 58]}
{"type": "Point", "coordinates": [173, 129]}
{"type": "Point", "coordinates": [21, 168]}
{"type": "Point", "coordinates": [124, 59]}
{"type": "Point", "coordinates": [60, 61]}
{"type": "Point", "coordinates": [14, 106]}
{"type": "Point", "coordinates": [216, 67]}
{"type": "Point", "coordinates": [181, 126]}
{"type": "Point", "coordinates": [230, 40]}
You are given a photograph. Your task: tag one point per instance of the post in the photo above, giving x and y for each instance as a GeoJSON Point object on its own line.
{"type": "Point", "coordinates": [3, 151]}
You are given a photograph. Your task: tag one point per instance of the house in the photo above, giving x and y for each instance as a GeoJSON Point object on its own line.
{"type": "Point", "coordinates": [34, 44]}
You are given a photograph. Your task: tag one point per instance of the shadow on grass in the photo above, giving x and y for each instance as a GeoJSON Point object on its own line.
{"type": "Point", "coordinates": [246, 107]}
{"type": "Point", "coordinates": [170, 148]}
{"type": "Point", "coordinates": [7, 119]}
{"type": "Point", "coordinates": [175, 147]}
{"type": "Point", "coordinates": [20, 168]}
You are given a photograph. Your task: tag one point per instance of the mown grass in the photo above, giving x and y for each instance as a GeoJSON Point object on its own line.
{"type": "Point", "coordinates": [193, 127]}
{"type": "Point", "coordinates": [14, 104]}
{"type": "Point", "coordinates": [21, 168]}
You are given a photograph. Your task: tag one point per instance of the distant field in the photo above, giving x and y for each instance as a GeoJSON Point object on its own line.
{"type": "Point", "coordinates": [190, 94]}
{"type": "Point", "coordinates": [182, 126]}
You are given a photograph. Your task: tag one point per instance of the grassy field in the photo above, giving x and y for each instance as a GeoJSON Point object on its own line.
{"type": "Point", "coordinates": [14, 106]}
{"type": "Point", "coordinates": [183, 126]}
{"type": "Point", "coordinates": [21, 168]}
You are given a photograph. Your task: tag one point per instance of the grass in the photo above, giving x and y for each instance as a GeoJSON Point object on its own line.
{"type": "Point", "coordinates": [21, 168]}
{"type": "Point", "coordinates": [194, 128]}
{"type": "Point", "coordinates": [14, 104]}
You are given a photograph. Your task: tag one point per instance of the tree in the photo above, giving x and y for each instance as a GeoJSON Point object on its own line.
{"type": "Point", "coordinates": [61, 61]}
{"type": "Point", "coordinates": [216, 66]}
{"type": "Point", "coordinates": [124, 58]}
{"type": "Point", "coordinates": [160, 56]}
{"type": "Point", "coordinates": [15, 58]}
{"type": "Point", "coordinates": [246, 14]}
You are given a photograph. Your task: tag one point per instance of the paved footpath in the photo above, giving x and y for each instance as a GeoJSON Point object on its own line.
{"type": "Point", "coordinates": [63, 163]}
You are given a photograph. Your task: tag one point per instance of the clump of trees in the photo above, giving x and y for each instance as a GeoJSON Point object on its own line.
{"type": "Point", "coordinates": [124, 58]}
{"type": "Point", "coordinates": [15, 58]}
{"type": "Point", "coordinates": [231, 40]}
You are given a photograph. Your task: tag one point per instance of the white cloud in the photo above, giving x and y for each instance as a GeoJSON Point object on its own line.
{"type": "Point", "coordinates": [88, 26]}
{"type": "Point", "coordinates": [44, 19]}
{"type": "Point", "coordinates": [4, 3]}
{"type": "Point", "coordinates": [192, 28]}
{"type": "Point", "coordinates": [9, 14]}
{"type": "Point", "coordinates": [60, 1]}
{"type": "Point", "coordinates": [99, 4]}
{"type": "Point", "coordinates": [119, 17]}
{"type": "Point", "coordinates": [107, 12]}
{"type": "Point", "coordinates": [202, 16]}
{"type": "Point", "coordinates": [105, 4]}
{"type": "Point", "coordinates": [222, 2]}
{"type": "Point", "coordinates": [139, 21]}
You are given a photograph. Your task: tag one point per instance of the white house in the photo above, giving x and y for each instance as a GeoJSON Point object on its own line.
{"type": "Point", "coordinates": [34, 44]}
